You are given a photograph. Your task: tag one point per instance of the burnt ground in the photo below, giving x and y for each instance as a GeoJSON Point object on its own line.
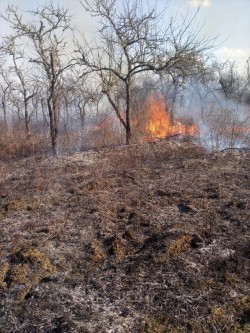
{"type": "Point", "coordinates": [147, 238]}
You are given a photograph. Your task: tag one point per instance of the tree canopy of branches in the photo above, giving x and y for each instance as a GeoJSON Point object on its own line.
{"type": "Point", "coordinates": [45, 42]}
{"type": "Point", "coordinates": [47, 92]}
{"type": "Point", "coordinates": [5, 87]}
{"type": "Point", "coordinates": [134, 39]}
{"type": "Point", "coordinates": [23, 85]}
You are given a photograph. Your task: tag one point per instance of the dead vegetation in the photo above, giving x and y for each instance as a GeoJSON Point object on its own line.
{"type": "Point", "coordinates": [151, 238]}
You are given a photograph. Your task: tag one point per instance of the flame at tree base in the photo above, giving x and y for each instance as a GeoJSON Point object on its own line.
{"type": "Point", "coordinates": [159, 124]}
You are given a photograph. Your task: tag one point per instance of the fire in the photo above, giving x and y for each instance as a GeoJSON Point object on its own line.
{"type": "Point", "coordinates": [159, 124]}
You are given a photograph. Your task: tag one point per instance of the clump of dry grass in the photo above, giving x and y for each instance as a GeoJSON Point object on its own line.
{"type": "Point", "coordinates": [96, 251]}
{"type": "Point", "coordinates": [24, 268]}
{"type": "Point", "coordinates": [176, 247]}
{"type": "Point", "coordinates": [4, 268]}
{"type": "Point", "coordinates": [153, 325]}
{"type": "Point", "coordinates": [118, 248]}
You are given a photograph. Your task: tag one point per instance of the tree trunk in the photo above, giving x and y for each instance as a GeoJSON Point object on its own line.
{"type": "Point", "coordinates": [4, 115]}
{"type": "Point", "coordinates": [173, 104]}
{"type": "Point", "coordinates": [128, 135]}
{"type": "Point", "coordinates": [82, 120]}
{"type": "Point", "coordinates": [128, 125]}
{"type": "Point", "coordinates": [53, 126]}
{"type": "Point", "coordinates": [27, 129]}
{"type": "Point", "coordinates": [26, 117]}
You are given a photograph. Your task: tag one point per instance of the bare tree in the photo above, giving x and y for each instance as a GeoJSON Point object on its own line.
{"type": "Point", "coordinates": [247, 94]}
{"type": "Point", "coordinates": [134, 39]}
{"type": "Point", "coordinates": [46, 36]}
{"type": "Point", "coordinates": [23, 85]}
{"type": "Point", "coordinates": [232, 84]}
{"type": "Point", "coordinates": [83, 95]}
{"type": "Point", "coordinates": [5, 87]}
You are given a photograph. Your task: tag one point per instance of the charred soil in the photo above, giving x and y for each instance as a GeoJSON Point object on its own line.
{"type": "Point", "coordinates": [151, 238]}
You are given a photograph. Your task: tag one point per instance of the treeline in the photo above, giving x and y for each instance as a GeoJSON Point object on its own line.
{"type": "Point", "coordinates": [56, 84]}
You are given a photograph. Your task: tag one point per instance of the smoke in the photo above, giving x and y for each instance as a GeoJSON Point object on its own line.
{"type": "Point", "coordinates": [223, 122]}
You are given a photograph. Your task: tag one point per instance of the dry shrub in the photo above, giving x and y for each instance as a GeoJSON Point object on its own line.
{"type": "Point", "coordinates": [12, 146]}
{"type": "Point", "coordinates": [105, 131]}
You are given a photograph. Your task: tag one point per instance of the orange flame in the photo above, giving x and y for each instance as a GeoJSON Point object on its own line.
{"type": "Point", "coordinates": [159, 124]}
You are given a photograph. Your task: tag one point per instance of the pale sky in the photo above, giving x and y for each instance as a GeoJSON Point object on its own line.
{"type": "Point", "coordinates": [230, 19]}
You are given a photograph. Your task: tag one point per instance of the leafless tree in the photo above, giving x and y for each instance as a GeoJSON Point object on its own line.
{"type": "Point", "coordinates": [134, 39]}
{"type": "Point", "coordinates": [247, 94]}
{"type": "Point", "coordinates": [23, 86]}
{"type": "Point", "coordinates": [233, 84]}
{"type": "Point", "coordinates": [45, 35]}
{"type": "Point", "coordinates": [5, 87]}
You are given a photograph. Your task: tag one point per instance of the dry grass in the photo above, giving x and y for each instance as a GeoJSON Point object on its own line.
{"type": "Point", "coordinates": [14, 147]}
{"type": "Point", "coordinates": [177, 247]}
{"type": "Point", "coordinates": [146, 238]}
